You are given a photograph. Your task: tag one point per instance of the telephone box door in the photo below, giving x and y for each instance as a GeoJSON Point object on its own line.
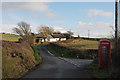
{"type": "Point", "coordinates": [104, 53]}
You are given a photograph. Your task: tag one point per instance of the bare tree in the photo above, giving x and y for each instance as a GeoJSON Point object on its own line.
{"type": "Point", "coordinates": [45, 31]}
{"type": "Point", "coordinates": [24, 31]}
{"type": "Point", "coordinates": [113, 30]}
{"type": "Point", "coordinates": [70, 34]}
{"type": "Point", "coordinates": [57, 32]}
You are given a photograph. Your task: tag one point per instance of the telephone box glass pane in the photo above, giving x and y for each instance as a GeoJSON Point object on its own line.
{"type": "Point", "coordinates": [105, 54]}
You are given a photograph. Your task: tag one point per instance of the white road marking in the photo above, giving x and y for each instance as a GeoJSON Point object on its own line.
{"type": "Point", "coordinates": [50, 53]}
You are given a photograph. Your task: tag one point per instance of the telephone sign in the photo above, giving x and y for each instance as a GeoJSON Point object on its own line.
{"type": "Point", "coordinates": [104, 53]}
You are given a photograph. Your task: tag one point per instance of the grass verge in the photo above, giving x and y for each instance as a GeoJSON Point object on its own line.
{"type": "Point", "coordinates": [96, 72]}
{"type": "Point", "coordinates": [36, 54]}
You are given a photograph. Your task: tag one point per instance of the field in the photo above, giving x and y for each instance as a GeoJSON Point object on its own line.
{"type": "Point", "coordinates": [80, 44]}
{"type": "Point", "coordinates": [10, 37]}
{"type": "Point", "coordinates": [75, 48]}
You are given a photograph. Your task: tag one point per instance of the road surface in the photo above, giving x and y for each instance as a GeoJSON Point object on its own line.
{"type": "Point", "coordinates": [54, 67]}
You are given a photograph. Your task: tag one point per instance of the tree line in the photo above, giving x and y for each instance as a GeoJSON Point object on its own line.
{"type": "Point", "coordinates": [24, 30]}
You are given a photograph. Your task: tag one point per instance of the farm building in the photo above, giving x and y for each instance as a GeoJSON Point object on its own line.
{"type": "Point", "coordinates": [51, 38]}
{"type": "Point", "coordinates": [57, 37]}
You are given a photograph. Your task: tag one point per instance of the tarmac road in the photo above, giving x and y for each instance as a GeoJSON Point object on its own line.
{"type": "Point", "coordinates": [53, 67]}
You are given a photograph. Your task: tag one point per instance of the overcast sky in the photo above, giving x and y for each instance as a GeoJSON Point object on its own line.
{"type": "Point", "coordinates": [79, 17]}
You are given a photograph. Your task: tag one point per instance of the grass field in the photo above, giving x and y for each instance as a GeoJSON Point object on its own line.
{"type": "Point", "coordinates": [80, 44]}
{"type": "Point", "coordinates": [10, 37]}
{"type": "Point", "coordinates": [75, 48]}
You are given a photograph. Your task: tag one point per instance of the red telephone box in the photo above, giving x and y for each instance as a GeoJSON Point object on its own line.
{"type": "Point", "coordinates": [104, 53]}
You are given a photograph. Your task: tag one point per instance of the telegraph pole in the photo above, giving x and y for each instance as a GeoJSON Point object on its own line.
{"type": "Point", "coordinates": [88, 33]}
{"type": "Point", "coordinates": [70, 32]}
{"type": "Point", "coordinates": [116, 20]}
{"type": "Point", "coordinates": [116, 29]}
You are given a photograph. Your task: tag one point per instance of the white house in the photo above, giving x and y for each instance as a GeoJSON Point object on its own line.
{"type": "Point", "coordinates": [56, 37]}
{"type": "Point", "coordinates": [52, 38]}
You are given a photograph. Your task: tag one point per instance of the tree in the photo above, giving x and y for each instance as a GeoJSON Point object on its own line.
{"type": "Point", "coordinates": [57, 32]}
{"type": "Point", "coordinates": [45, 31]}
{"type": "Point", "coordinates": [78, 36]}
{"type": "Point", "coordinates": [70, 34]}
{"type": "Point", "coordinates": [24, 31]}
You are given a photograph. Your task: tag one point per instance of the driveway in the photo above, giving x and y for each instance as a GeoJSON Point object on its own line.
{"type": "Point", "coordinates": [54, 67]}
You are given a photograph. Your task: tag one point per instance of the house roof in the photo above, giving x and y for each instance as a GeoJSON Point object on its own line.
{"type": "Point", "coordinates": [38, 36]}
{"type": "Point", "coordinates": [57, 35]}
{"type": "Point", "coordinates": [54, 35]}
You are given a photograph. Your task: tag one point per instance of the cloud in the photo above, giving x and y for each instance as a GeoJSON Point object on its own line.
{"type": "Point", "coordinates": [29, 7]}
{"type": "Point", "coordinates": [60, 29]}
{"type": "Point", "coordinates": [27, 0]}
{"type": "Point", "coordinates": [0, 13]}
{"type": "Point", "coordinates": [82, 31]}
{"type": "Point", "coordinates": [98, 25]}
{"type": "Point", "coordinates": [101, 35]}
{"type": "Point", "coordinates": [16, 18]}
{"type": "Point", "coordinates": [26, 6]}
{"type": "Point", "coordinates": [95, 12]}
{"type": "Point", "coordinates": [50, 15]}
{"type": "Point", "coordinates": [35, 16]}
{"type": "Point", "coordinates": [0, 4]}
{"type": "Point", "coordinates": [34, 29]}
{"type": "Point", "coordinates": [81, 23]}
{"type": "Point", "coordinates": [8, 28]}
{"type": "Point", "coordinates": [98, 29]}
{"type": "Point", "coordinates": [57, 0]}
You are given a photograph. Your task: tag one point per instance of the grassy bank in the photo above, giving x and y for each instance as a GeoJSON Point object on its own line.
{"type": "Point", "coordinates": [96, 72]}
{"type": "Point", "coordinates": [18, 59]}
{"type": "Point", "coordinates": [36, 54]}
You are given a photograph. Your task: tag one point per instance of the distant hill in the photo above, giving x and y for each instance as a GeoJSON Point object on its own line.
{"type": "Point", "coordinates": [9, 37]}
